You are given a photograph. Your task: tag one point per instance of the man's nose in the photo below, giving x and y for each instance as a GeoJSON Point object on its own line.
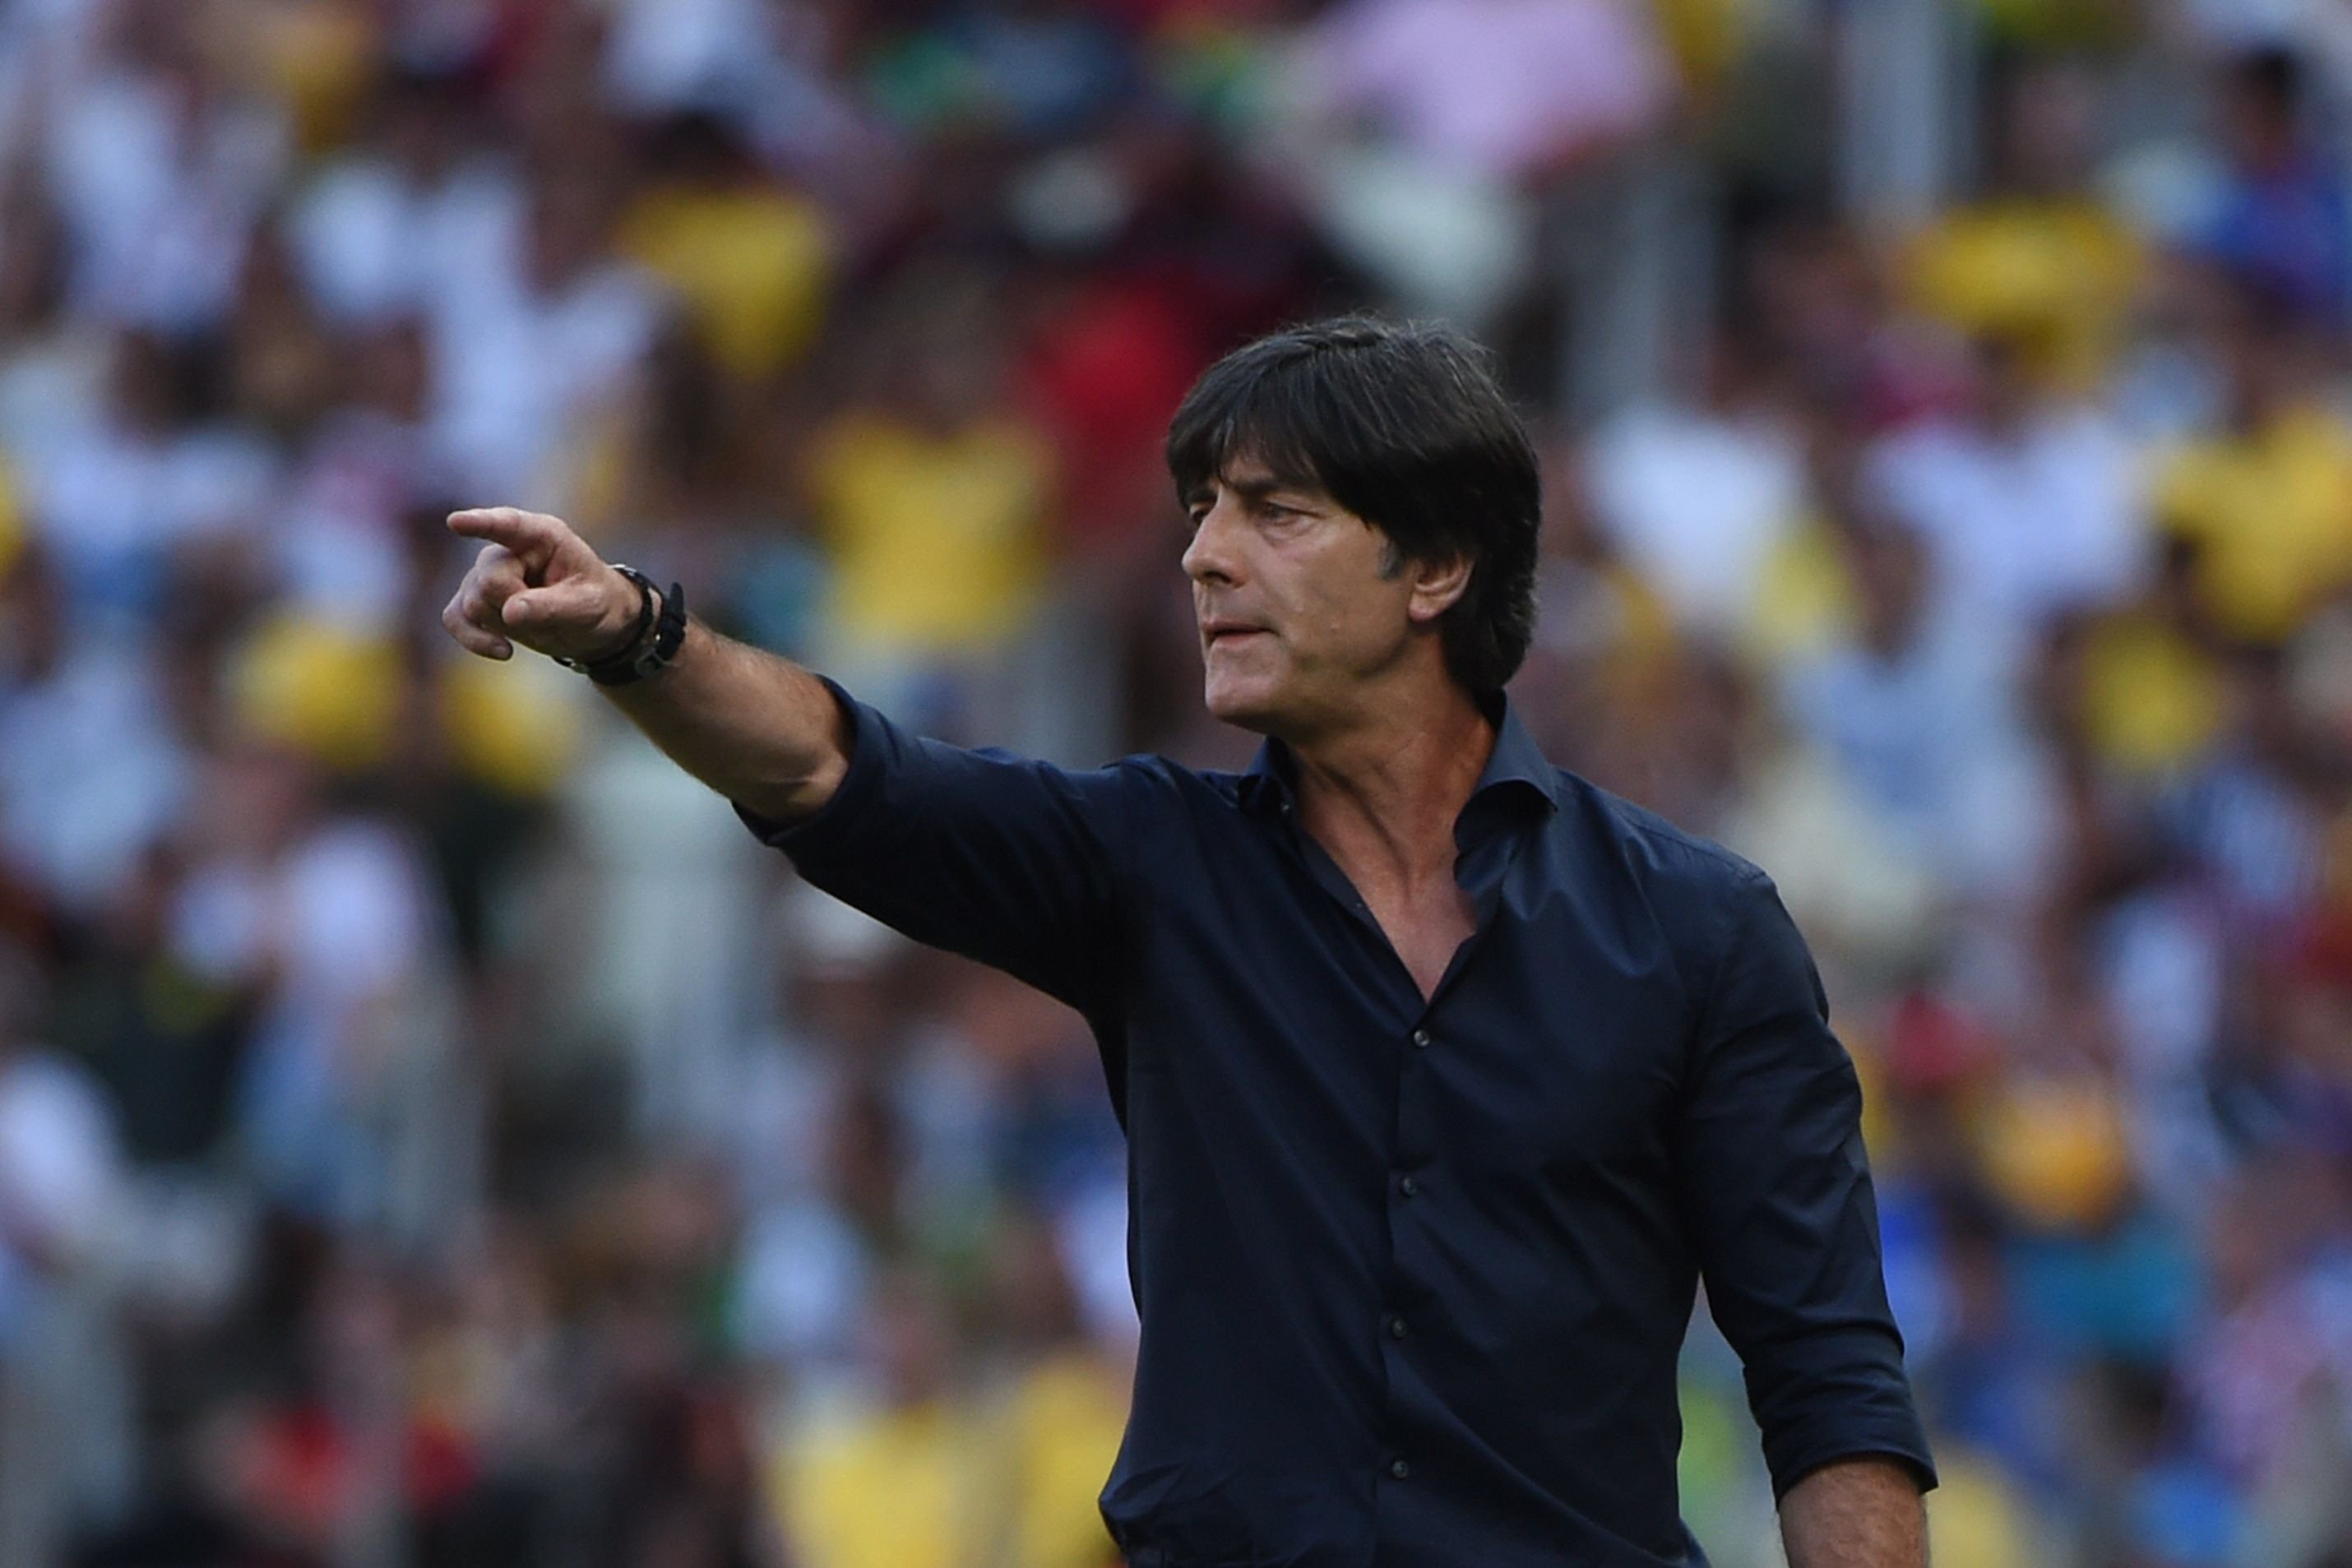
{"type": "Point", "coordinates": [1210, 558]}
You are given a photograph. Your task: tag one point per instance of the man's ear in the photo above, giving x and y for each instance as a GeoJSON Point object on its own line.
{"type": "Point", "coordinates": [1436, 585]}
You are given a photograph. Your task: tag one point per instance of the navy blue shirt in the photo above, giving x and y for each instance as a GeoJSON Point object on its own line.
{"type": "Point", "coordinates": [1413, 1275]}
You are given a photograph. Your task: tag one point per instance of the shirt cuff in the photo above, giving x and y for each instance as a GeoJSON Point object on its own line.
{"type": "Point", "coordinates": [860, 783]}
{"type": "Point", "coordinates": [1896, 1440]}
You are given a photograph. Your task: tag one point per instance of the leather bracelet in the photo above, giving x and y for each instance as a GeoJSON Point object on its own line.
{"type": "Point", "coordinates": [654, 640]}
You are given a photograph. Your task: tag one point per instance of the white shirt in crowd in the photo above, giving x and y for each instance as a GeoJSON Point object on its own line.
{"type": "Point", "coordinates": [160, 204]}
{"type": "Point", "coordinates": [1697, 502]}
{"type": "Point", "coordinates": [375, 243]}
{"type": "Point", "coordinates": [2026, 525]}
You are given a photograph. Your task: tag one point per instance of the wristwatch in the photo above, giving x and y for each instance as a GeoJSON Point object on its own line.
{"type": "Point", "coordinates": [654, 640]}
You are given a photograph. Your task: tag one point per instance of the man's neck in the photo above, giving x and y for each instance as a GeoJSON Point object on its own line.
{"type": "Point", "coordinates": [1382, 796]}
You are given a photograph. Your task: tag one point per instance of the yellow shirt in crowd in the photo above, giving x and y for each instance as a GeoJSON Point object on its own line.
{"type": "Point", "coordinates": [890, 1490]}
{"type": "Point", "coordinates": [2270, 513]}
{"type": "Point", "coordinates": [12, 520]}
{"type": "Point", "coordinates": [343, 697]}
{"type": "Point", "coordinates": [2057, 273]}
{"type": "Point", "coordinates": [943, 1485]}
{"type": "Point", "coordinates": [938, 540]}
{"type": "Point", "coordinates": [753, 268]}
{"type": "Point", "coordinates": [2152, 700]}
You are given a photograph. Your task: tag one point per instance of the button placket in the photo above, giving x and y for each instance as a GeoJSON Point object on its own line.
{"type": "Point", "coordinates": [1394, 1329]}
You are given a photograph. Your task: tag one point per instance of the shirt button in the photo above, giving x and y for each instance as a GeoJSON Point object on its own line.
{"type": "Point", "coordinates": [1420, 1037]}
{"type": "Point", "coordinates": [1409, 1186]}
{"type": "Point", "coordinates": [1396, 1328]}
{"type": "Point", "coordinates": [1399, 1469]}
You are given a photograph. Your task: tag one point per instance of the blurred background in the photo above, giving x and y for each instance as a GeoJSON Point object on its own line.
{"type": "Point", "coordinates": [433, 1132]}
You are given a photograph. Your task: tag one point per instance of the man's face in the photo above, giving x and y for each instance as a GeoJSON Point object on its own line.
{"type": "Point", "coordinates": [1298, 602]}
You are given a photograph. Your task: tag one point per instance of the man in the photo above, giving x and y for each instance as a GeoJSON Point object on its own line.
{"type": "Point", "coordinates": [1445, 1074]}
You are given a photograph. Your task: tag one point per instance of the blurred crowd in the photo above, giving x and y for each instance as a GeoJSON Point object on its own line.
{"type": "Point", "coordinates": [432, 1132]}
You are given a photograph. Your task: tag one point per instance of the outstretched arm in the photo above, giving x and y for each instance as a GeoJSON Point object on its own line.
{"type": "Point", "coordinates": [999, 858]}
{"type": "Point", "coordinates": [1855, 1513]}
{"type": "Point", "coordinates": [759, 729]}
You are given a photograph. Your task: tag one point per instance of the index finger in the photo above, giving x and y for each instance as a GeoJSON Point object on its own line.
{"type": "Point", "coordinates": [529, 534]}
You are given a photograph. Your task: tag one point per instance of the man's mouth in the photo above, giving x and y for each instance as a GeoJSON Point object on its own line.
{"type": "Point", "coordinates": [1217, 632]}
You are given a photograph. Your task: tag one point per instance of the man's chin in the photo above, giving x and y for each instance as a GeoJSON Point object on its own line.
{"type": "Point", "coordinates": [1229, 703]}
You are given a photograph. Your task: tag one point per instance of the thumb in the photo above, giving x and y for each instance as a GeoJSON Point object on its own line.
{"type": "Point", "coordinates": [553, 605]}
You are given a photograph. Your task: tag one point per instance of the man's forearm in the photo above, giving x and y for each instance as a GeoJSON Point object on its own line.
{"type": "Point", "coordinates": [759, 729]}
{"type": "Point", "coordinates": [1855, 1513]}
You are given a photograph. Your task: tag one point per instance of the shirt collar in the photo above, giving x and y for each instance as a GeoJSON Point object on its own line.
{"type": "Point", "coordinates": [1518, 773]}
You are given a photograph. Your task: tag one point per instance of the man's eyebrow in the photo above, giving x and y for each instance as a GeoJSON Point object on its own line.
{"type": "Point", "coordinates": [1256, 488]}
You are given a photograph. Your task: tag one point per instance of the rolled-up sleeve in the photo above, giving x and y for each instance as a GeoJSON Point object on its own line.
{"type": "Point", "coordinates": [1776, 1192]}
{"type": "Point", "coordinates": [1003, 859]}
